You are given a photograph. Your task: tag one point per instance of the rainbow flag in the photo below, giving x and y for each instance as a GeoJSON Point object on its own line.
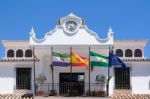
{"type": "Point", "coordinates": [77, 60]}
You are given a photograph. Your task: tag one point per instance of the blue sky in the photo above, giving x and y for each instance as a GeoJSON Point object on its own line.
{"type": "Point", "coordinates": [129, 19]}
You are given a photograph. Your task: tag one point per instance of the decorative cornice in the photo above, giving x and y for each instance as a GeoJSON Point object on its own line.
{"type": "Point", "coordinates": [109, 35]}
{"type": "Point", "coordinates": [19, 60]}
{"type": "Point", "coordinates": [108, 40]}
{"type": "Point", "coordinates": [131, 43]}
{"type": "Point", "coordinates": [33, 35]}
{"type": "Point", "coordinates": [18, 43]}
{"type": "Point", "coordinates": [137, 60]}
{"type": "Point", "coordinates": [92, 33]}
{"type": "Point", "coordinates": [143, 40]}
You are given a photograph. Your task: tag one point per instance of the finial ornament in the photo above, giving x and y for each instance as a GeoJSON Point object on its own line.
{"type": "Point", "coordinates": [32, 30]}
{"type": "Point", "coordinates": [110, 32]}
{"type": "Point", "coordinates": [110, 29]}
{"type": "Point", "coordinates": [71, 14]}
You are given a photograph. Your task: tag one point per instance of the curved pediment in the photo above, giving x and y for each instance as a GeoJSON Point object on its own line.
{"type": "Point", "coordinates": [71, 30]}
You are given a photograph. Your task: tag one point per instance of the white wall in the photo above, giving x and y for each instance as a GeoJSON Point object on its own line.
{"type": "Point", "coordinates": [140, 71]}
{"type": "Point", "coordinates": [6, 78]}
{"type": "Point", "coordinates": [140, 78]}
{"type": "Point", "coordinates": [8, 75]}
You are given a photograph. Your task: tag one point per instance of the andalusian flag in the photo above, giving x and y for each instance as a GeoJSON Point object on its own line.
{"type": "Point", "coordinates": [78, 60]}
{"type": "Point", "coordinates": [62, 59]}
{"type": "Point", "coordinates": [98, 60]}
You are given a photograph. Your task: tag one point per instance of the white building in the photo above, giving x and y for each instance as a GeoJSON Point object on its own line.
{"type": "Point", "coordinates": [17, 70]}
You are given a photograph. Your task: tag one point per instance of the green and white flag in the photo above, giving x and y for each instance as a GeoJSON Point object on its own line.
{"type": "Point", "coordinates": [98, 60]}
{"type": "Point", "coordinates": [60, 59]}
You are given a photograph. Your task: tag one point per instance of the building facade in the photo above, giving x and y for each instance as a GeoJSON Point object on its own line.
{"type": "Point", "coordinates": [25, 60]}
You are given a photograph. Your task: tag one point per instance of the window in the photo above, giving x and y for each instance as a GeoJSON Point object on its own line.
{"type": "Point", "coordinates": [19, 53]}
{"type": "Point", "coordinates": [128, 53]}
{"type": "Point", "coordinates": [23, 78]}
{"type": "Point", "coordinates": [122, 78]}
{"type": "Point", "coordinates": [10, 53]}
{"type": "Point", "coordinates": [119, 53]}
{"type": "Point", "coordinates": [137, 53]}
{"type": "Point", "coordinates": [28, 53]}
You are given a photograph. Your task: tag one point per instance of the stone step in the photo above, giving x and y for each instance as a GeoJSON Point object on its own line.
{"type": "Point", "coordinates": [22, 91]}
{"type": "Point", "coordinates": [122, 92]}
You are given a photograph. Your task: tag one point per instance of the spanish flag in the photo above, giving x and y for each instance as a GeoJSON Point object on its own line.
{"type": "Point", "coordinates": [77, 60]}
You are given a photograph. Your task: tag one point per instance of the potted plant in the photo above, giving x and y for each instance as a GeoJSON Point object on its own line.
{"type": "Point", "coordinates": [101, 79]}
{"type": "Point", "coordinates": [53, 93]}
{"type": "Point", "coordinates": [40, 80]}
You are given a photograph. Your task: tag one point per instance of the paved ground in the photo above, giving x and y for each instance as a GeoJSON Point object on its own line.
{"type": "Point", "coordinates": [131, 96]}
{"type": "Point", "coordinates": [70, 98]}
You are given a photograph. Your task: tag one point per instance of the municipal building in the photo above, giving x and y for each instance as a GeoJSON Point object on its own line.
{"type": "Point", "coordinates": [27, 64]}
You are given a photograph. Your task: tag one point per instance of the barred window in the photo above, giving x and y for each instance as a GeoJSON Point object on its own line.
{"type": "Point", "coordinates": [19, 53]}
{"type": "Point", "coordinates": [28, 53]}
{"type": "Point", "coordinates": [119, 53]}
{"type": "Point", "coordinates": [137, 53]}
{"type": "Point", "coordinates": [128, 53]}
{"type": "Point", "coordinates": [10, 53]}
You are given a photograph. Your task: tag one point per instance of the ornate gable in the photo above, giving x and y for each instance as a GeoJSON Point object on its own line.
{"type": "Point", "coordinates": [71, 30]}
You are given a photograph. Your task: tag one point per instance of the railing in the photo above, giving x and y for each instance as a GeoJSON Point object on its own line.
{"type": "Point", "coordinates": [23, 86]}
{"type": "Point", "coordinates": [71, 89]}
{"type": "Point", "coordinates": [125, 86]}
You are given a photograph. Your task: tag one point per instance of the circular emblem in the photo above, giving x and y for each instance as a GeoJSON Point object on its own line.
{"type": "Point", "coordinates": [71, 27]}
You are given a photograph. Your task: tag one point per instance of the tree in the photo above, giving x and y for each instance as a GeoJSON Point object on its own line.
{"type": "Point", "coordinates": [102, 80]}
{"type": "Point", "coordinates": [41, 79]}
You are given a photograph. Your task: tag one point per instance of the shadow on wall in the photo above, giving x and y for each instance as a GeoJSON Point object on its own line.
{"type": "Point", "coordinates": [140, 70]}
{"type": "Point", "coordinates": [6, 71]}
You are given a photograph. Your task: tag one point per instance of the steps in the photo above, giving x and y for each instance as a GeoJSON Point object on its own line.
{"type": "Point", "coordinates": [122, 91]}
{"type": "Point", "coordinates": [22, 91]}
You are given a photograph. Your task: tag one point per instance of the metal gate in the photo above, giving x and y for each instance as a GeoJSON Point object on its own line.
{"type": "Point", "coordinates": [71, 84]}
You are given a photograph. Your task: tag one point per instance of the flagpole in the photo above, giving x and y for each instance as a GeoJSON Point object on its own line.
{"type": "Point", "coordinates": [52, 68]}
{"type": "Point", "coordinates": [71, 70]}
{"type": "Point", "coordinates": [108, 78]}
{"type": "Point", "coordinates": [89, 71]}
